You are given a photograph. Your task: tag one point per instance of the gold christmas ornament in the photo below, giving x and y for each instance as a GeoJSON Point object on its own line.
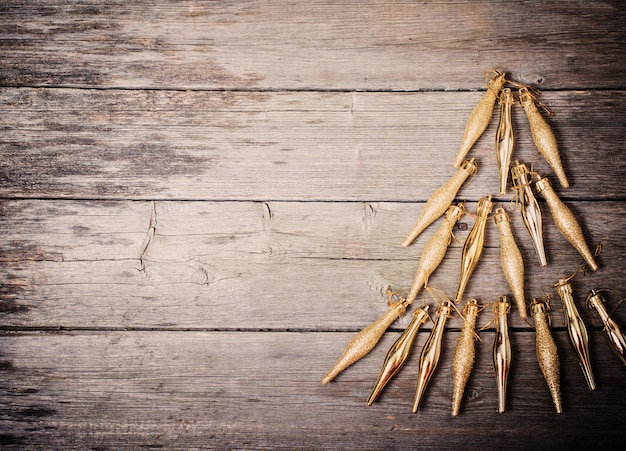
{"type": "Point", "coordinates": [501, 350]}
{"type": "Point", "coordinates": [577, 330]}
{"type": "Point", "coordinates": [511, 258]}
{"type": "Point", "coordinates": [366, 339]}
{"type": "Point", "coordinates": [435, 250]}
{"type": "Point", "coordinates": [431, 352]}
{"type": "Point", "coordinates": [464, 354]}
{"type": "Point", "coordinates": [565, 221]}
{"type": "Point", "coordinates": [542, 135]}
{"type": "Point", "coordinates": [398, 353]}
{"type": "Point", "coordinates": [614, 333]}
{"type": "Point", "coordinates": [504, 138]}
{"type": "Point", "coordinates": [480, 116]}
{"type": "Point", "coordinates": [473, 247]}
{"type": "Point", "coordinates": [441, 200]}
{"type": "Point", "coordinates": [547, 354]}
{"type": "Point", "coordinates": [530, 208]}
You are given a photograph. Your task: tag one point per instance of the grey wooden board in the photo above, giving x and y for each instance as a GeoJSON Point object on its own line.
{"type": "Point", "coordinates": [95, 144]}
{"type": "Point", "coordinates": [197, 390]}
{"type": "Point", "coordinates": [302, 265]}
{"type": "Point", "coordinates": [322, 45]}
{"type": "Point", "coordinates": [202, 202]}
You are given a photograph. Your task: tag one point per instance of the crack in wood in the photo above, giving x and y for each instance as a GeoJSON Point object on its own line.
{"type": "Point", "coordinates": [149, 236]}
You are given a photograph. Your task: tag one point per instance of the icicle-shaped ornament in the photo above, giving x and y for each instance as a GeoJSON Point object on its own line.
{"type": "Point", "coordinates": [613, 331]}
{"type": "Point", "coordinates": [398, 353]}
{"type": "Point", "coordinates": [566, 221]}
{"type": "Point", "coordinates": [542, 135]}
{"type": "Point", "coordinates": [505, 138]}
{"type": "Point", "coordinates": [547, 354]}
{"type": "Point", "coordinates": [431, 352]}
{"type": "Point", "coordinates": [502, 350]}
{"type": "Point", "coordinates": [435, 250]}
{"type": "Point", "coordinates": [511, 259]}
{"type": "Point", "coordinates": [480, 116]}
{"type": "Point", "coordinates": [441, 200]}
{"type": "Point", "coordinates": [464, 354]}
{"type": "Point", "coordinates": [473, 247]}
{"type": "Point", "coordinates": [577, 330]}
{"type": "Point", "coordinates": [530, 209]}
{"type": "Point", "coordinates": [366, 339]}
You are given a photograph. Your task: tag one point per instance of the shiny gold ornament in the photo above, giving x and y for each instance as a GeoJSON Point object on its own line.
{"type": "Point", "coordinates": [502, 350]}
{"type": "Point", "coordinates": [473, 247]}
{"type": "Point", "coordinates": [547, 354]}
{"type": "Point", "coordinates": [505, 138]}
{"type": "Point", "coordinates": [366, 339]}
{"type": "Point", "coordinates": [566, 221]}
{"type": "Point", "coordinates": [530, 209]}
{"type": "Point", "coordinates": [511, 257]}
{"type": "Point", "coordinates": [398, 353]}
{"type": "Point", "coordinates": [614, 333]}
{"type": "Point", "coordinates": [542, 135]}
{"type": "Point", "coordinates": [431, 352]}
{"type": "Point", "coordinates": [577, 330]}
{"type": "Point", "coordinates": [441, 200]}
{"type": "Point", "coordinates": [480, 116]}
{"type": "Point", "coordinates": [464, 354]}
{"type": "Point", "coordinates": [435, 250]}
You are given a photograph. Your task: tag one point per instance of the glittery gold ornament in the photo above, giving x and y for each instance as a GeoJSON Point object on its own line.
{"type": "Point", "coordinates": [511, 258]}
{"type": "Point", "coordinates": [473, 247]}
{"type": "Point", "coordinates": [547, 354]}
{"type": "Point", "coordinates": [542, 135]}
{"type": "Point", "coordinates": [577, 330]}
{"type": "Point", "coordinates": [366, 339]}
{"type": "Point", "coordinates": [614, 333]}
{"type": "Point", "coordinates": [398, 353]}
{"type": "Point", "coordinates": [504, 138]}
{"type": "Point", "coordinates": [430, 353]}
{"type": "Point", "coordinates": [531, 213]}
{"type": "Point", "coordinates": [480, 116]}
{"type": "Point", "coordinates": [501, 349]}
{"type": "Point", "coordinates": [435, 250]}
{"type": "Point", "coordinates": [441, 200]}
{"type": "Point", "coordinates": [566, 221]}
{"type": "Point", "coordinates": [464, 354]}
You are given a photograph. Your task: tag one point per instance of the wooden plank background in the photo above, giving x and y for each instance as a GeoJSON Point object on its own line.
{"type": "Point", "coordinates": [202, 202]}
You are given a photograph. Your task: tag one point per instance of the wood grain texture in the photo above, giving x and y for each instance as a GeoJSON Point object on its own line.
{"type": "Point", "coordinates": [286, 265]}
{"type": "Point", "coordinates": [185, 390]}
{"type": "Point", "coordinates": [284, 145]}
{"type": "Point", "coordinates": [202, 202]}
{"type": "Point", "coordinates": [320, 45]}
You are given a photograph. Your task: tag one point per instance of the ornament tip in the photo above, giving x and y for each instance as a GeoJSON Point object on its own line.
{"type": "Point", "coordinates": [329, 376]}
{"type": "Point", "coordinates": [559, 409]}
{"type": "Point", "coordinates": [373, 396]}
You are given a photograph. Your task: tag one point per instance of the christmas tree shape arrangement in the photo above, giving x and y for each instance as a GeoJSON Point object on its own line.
{"type": "Point", "coordinates": [442, 203]}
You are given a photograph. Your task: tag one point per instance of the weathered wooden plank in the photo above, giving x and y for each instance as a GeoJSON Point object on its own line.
{"type": "Point", "coordinates": [163, 231]}
{"type": "Point", "coordinates": [252, 294]}
{"type": "Point", "coordinates": [285, 265]}
{"type": "Point", "coordinates": [403, 45]}
{"type": "Point", "coordinates": [230, 390]}
{"type": "Point", "coordinates": [283, 145]}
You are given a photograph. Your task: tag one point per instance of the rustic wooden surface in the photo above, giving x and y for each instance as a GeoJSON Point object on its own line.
{"type": "Point", "coordinates": [202, 202]}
